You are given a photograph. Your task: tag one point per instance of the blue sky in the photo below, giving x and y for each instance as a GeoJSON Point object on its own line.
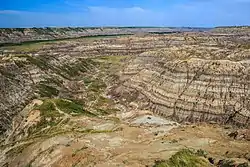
{"type": "Point", "coordinates": [195, 13]}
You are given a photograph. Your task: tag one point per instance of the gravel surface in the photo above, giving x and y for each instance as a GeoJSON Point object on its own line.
{"type": "Point", "coordinates": [154, 120]}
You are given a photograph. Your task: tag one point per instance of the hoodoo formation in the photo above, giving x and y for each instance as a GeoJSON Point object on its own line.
{"type": "Point", "coordinates": [124, 96]}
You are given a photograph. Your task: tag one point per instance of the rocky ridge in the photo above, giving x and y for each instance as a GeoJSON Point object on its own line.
{"type": "Point", "coordinates": [233, 30]}
{"type": "Point", "coordinates": [187, 87]}
{"type": "Point", "coordinates": [15, 35]}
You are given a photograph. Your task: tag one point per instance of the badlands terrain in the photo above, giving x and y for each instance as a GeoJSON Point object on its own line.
{"type": "Point", "coordinates": [125, 97]}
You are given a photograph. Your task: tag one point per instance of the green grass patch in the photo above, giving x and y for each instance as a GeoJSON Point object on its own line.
{"type": "Point", "coordinates": [71, 107]}
{"type": "Point", "coordinates": [184, 158]}
{"type": "Point", "coordinates": [53, 80]}
{"type": "Point", "coordinates": [49, 116]}
{"type": "Point", "coordinates": [68, 106]}
{"type": "Point", "coordinates": [87, 81]}
{"type": "Point", "coordinates": [28, 165]}
{"type": "Point", "coordinates": [40, 62]}
{"type": "Point", "coordinates": [25, 47]}
{"type": "Point", "coordinates": [48, 109]}
{"type": "Point", "coordinates": [36, 44]}
{"type": "Point", "coordinates": [46, 90]}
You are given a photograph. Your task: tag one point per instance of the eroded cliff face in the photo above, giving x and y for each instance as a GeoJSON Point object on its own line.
{"type": "Point", "coordinates": [194, 83]}
{"type": "Point", "coordinates": [15, 93]}
{"type": "Point", "coordinates": [189, 77]}
{"type": "Point", "coordinates": [59, 69]}
{"type": "Point", "coordinates": [26, 77]}
{"type": "Point", "coordinates": [87, 101]}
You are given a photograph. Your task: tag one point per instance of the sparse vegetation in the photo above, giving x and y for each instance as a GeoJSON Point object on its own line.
{"type": "Point", "coordinates": [68, 94]}
{"type": "Point", "coordinates": [46, 90]}
{"type": "Point", "coordinates": [97, 86]}
{"type": "Point", "coordinates": [53, 80]}
{"type": "Point", "coordinates": [28, 165]}
{"type": "Point", "coordinates": [7, 74]}
{"type": "Point", "coordinates": [184, 158]}
{"type": "Point", "coordinates": [190, 158]}
{"type": "Point", "coordinates": [71, 107]}
{"type": "Point", "coordinates": [25, 47]}
{"type": "Point", "coordinates": [48, 109]}
{"type": "Point", "coordinates": [230, 163]}
{"type": "Point", "coordinates": [49, 116]}
{"type": "Point", "coordinates": [40, 62]}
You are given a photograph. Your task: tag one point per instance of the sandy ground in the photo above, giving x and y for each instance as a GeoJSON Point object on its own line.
{"type": "Point", "coordinates": [139, 139]}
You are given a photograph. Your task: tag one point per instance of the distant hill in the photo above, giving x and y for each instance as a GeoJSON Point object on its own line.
{"type": "Point", "coordinates": [17, 35]}
{"type": "Point", "coordinates": [232, 29]}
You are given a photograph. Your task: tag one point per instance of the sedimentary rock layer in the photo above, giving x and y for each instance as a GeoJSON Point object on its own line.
{"type": "Point", "coordinates": [189, 88]}
{"type": "Point", "coordinates": [25, 77]}
{"type": "Point", "coordinates": [27, 72]}
{"type": "Point", "coordinates": [189, 76]}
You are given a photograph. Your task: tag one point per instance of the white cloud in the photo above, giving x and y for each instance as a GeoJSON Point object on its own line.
{"type": "Point", "coordinates": [136, 9]}
{"type": "Point", "coordinates": [10, 12]}
{"type": "Point", "coordinates": [192, 13]}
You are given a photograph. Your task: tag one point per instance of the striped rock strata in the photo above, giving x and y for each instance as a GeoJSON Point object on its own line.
{"type": "Point", "coordinates": [191, 88]}
{"type": "Point", "coordinates": [23, 78]}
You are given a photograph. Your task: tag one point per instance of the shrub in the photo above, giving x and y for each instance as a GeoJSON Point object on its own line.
{"type": "Point", "coordinates": [183, 158]}
{"type": "Point", "coordinates": [71, 107]}
{"type": "Point", "coordinates": [47, 91]}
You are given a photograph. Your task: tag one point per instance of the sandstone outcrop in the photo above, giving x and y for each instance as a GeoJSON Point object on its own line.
{"type": "Point", "coordinates": [26, 77]}
{"type": "Point", "coordinates": [102, 101]}
{"type": "Point", "coordinates": [194, 84]}
{"type": "Point", "coordinates": [186, 76]}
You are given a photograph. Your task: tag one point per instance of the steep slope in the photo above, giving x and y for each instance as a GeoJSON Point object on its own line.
{"type": "Point", "coordinates": [25, 77]}
{"type": "Point", "coordinates": [193, 83]}
{"type": "Point", "coordinates": [126, 101]}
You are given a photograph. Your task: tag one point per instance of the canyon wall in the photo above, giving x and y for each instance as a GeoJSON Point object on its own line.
{"type": "Point", "coordinates": [194, 84]}
{"type": "Point", "coordinates": [184, 76]}
{"type": "Point", "coordinates": [27, 77]}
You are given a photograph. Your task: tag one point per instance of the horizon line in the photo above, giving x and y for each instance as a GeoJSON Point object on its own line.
{"type": "Point", "coordinates": [223, 26]}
